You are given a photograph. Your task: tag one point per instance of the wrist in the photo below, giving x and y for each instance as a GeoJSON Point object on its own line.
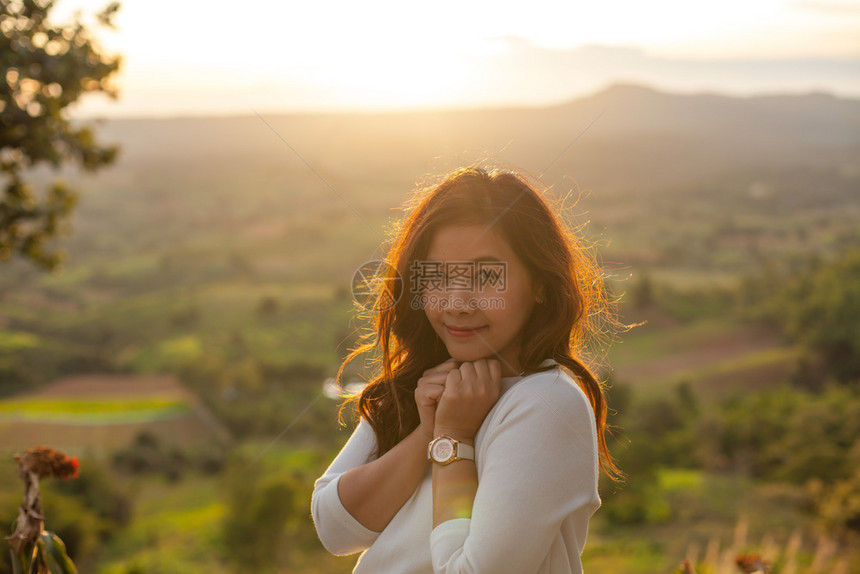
{"type": "Point", "coordinates": [425, 434]}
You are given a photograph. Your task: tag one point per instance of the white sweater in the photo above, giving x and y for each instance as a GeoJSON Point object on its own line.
{"type": "Point", "coordinates": [537, 462]}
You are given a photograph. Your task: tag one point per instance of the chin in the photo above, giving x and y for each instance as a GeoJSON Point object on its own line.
{"type": "Point", "coordinates": [466, 355]}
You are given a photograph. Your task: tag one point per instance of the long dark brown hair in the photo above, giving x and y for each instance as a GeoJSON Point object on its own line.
{"type": "Point", "coordinates": [575, 306]}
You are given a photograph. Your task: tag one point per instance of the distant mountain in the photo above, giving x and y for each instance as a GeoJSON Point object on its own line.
{"type": "Point", "coordinates": [681, 138]}
{"type": "Point", "coordinates": [623, 137]}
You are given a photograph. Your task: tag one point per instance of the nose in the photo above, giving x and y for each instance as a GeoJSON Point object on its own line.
{"type": "Point", "coordinates": [461, 301]}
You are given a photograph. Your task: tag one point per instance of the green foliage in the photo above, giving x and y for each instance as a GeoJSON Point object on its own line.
{"type": "Point", "coordinates": [792, 435]}
{"type": "Point", "coordinates": [52, 553]}
{"type": "Point", "coordinates": [820, 308]}
{"type": "Point", "coordinates": [785, 435]}
{"type": "Point", "coordinates": [618, 399]}
{"type": "Point", "coordinates": [838, 505]}
{"type": "Point", "coordinates": [149, 454]}
{"type": "Point", "coordinates": [100, 492]}
{"type": "Point", "coordinates": [683, 299]}
{"type": "Point", "coordinates": [47, 68]}
{"type": "Point", "coordinates": [257, 398]}
{"type": "Point", "coordinates": [640, 501]}
{"type": "Point", "coordinates": [267, 516]}
{"type": "Point", "coordinates": [658, 431]}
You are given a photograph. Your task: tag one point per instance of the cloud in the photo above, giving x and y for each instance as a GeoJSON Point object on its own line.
{"type": "Point", "coordinates": [525, 72]}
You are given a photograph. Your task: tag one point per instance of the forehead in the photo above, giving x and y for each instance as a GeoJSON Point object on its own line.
{"type": "Point", "coordinates": [468, 242]}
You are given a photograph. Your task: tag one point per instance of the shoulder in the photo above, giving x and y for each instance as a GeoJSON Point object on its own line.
{"type": "Point", "coordinates": [361, 441]}
{"type": "Point", "coordinates": [552, 393]}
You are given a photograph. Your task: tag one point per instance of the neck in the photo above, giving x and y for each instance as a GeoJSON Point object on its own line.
{"type": "Point", "coordinates": [510, 369]}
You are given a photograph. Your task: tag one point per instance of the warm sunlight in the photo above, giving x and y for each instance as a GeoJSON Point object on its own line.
{"type": "Point", "coordinates": [339, 287]}
{"type": "Point", "coordinates": [386, 54]}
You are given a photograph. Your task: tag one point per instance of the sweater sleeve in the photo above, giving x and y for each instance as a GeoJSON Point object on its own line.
{"type": "Point", "coordinates": [539, 468]}
{"type": "Point", "coordinates": [339, 532]}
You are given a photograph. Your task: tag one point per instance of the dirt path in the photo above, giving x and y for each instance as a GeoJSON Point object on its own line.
{"type": "Point", "coordinates": [111, 386]}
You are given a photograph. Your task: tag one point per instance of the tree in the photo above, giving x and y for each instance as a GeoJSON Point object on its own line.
{"type": "Point", "coordinates": [47, 68]}
{"type": "Point", "coordinates": [820, 308]}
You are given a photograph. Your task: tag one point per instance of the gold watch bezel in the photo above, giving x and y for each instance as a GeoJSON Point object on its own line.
{"type": "Point", "coordinates": [455, 451]}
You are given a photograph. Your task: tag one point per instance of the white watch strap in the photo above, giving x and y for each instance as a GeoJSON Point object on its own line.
{"type": "Point", "coordinates": [465, 451]}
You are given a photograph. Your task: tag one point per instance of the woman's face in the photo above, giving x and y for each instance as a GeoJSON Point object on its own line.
{"type": "Point", "coordinates": [476, 294]}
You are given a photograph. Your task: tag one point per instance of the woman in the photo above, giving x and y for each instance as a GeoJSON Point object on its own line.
{"type": "Point", "coordinates": [480, 441]}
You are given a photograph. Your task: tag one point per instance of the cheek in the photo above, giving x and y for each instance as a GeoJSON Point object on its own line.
{"type": "Point", "coordinates": [432, 314]}
{"type": "Point", "coordinates": [518, 304]}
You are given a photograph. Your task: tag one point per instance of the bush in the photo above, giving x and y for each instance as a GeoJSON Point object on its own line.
{"type": "Point", "coordinates": [99, 491]}
{"type": "Point", "coordinates": [265, 509]}
{"type": "Point", "coordinates": [820, 308]}
{"type": "Point", "coordinates": [838, 505]}
{"type": "Point", "coordinates": [788, 434]}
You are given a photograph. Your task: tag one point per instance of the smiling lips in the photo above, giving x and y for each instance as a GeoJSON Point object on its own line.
{"type": "Point", "coordinates": [463, 331]}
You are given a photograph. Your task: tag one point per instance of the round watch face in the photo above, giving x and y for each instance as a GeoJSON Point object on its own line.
{"type": "Point", "coordinates": [442, 450]}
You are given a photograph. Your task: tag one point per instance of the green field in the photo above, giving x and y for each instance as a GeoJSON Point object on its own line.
{"type": "Point", "coordinates": [91, 411]}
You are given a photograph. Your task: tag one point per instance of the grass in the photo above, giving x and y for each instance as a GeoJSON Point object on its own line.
{"type": "Point", "coordinates": [631, 556]}
{"type": "Point", "coordinates": [679, 479]}
{"type": "Point", "coordinates": [16, 340]}
{"type": "Point", "coordinates": [713, 519]}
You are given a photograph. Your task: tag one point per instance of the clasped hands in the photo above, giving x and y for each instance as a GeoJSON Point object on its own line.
{"type": "Point", "coordinates": [453, 398]}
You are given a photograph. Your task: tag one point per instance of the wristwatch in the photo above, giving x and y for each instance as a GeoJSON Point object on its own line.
{"type": "Point", "coordinates": [445, 450]}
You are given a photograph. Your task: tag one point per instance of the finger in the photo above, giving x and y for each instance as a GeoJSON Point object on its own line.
{"type": "Point", "coordinates": [429, 392]}
{"type": "Point", "coordinates": [494, 376]}
{"type": "Point", "coordinates": [468, 375]}
{"type": "Point", "coordinates": [435, 378]}
{"type": "Point", "coordinates": [482, 373]}
{"type": "Point", "coordinates": [434, 381]}
{"type": "Point", "coordinates": [442, 367]}
{"type": "Point", "coordinates": [453, 379]}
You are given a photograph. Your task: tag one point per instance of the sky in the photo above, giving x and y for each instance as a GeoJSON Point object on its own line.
{"type": "Point", "coordinates": [196, 57]}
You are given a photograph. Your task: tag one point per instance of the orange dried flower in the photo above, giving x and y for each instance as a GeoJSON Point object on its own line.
{"type": "Point", "coordinates": [45, 461]}
{"type": "Point", "coordinates": [750, 563]}
{"type": "Point", "coordinates": [37, 463]}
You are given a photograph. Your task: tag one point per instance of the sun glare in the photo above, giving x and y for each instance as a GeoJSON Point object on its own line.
{"type": "Point", "coordinates": [418, 77]}
{"type": "Point", "coordinates": [390, 54]}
